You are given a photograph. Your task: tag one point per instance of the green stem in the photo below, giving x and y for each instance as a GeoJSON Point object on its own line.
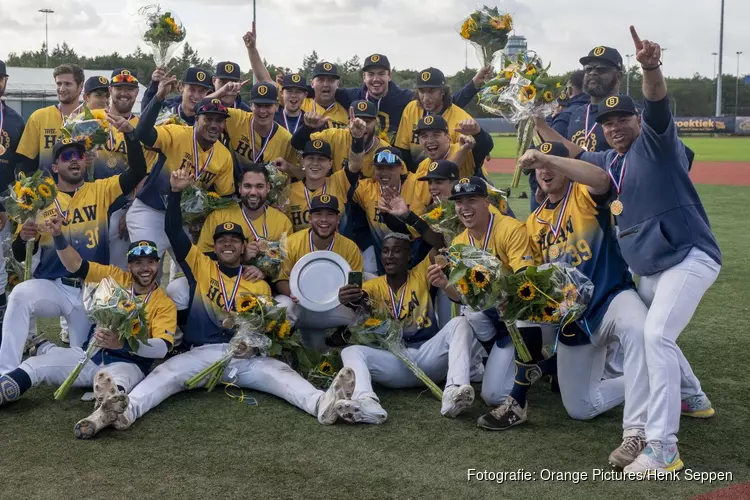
{"type": "Point", "coordinates": [398, 351]}
{"type": "Point", "coordinates": [209, 371]}
{"type": "Point", "coordinates": [62, 391]}
{"type": "Point", "coordinates": [27, 260]}
{"type": "Point", "coordinates": [518, 343]}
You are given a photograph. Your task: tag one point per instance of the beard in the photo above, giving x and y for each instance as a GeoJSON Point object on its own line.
{"type": "Point", "coordinates": [317, 232]}
{"type": "Point", "coordinates": [595, 87]}
{"type": "Point", "coordinates": [144, 283]}
{"type": "Point", "coordinates": [253, 205]}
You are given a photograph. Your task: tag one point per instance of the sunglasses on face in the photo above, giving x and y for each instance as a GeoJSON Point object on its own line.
{"type": "Point", "coordinates": [388, 158]}
{"type": "Point", "coordinates": [124, 79]}
{"type": "Point", "coordinates": [70, 155]}
{"type": "Point", "coordinates": [142, 251]}
{"type": "Point", "coordinates": [602, 68]}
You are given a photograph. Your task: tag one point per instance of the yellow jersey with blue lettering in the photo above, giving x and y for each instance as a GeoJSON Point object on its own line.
{"type": "Point", "coordinates": [298, 209]}
{"type": "Point", "coordinates": [406, 137]}
{"type": "Point", "coordinates": [341, 144]}
{"type": "Point", "coordinates": [271, 226]}
{"type": "Point", "coordinates": [412, 304]}
{"type": "Point", "coordinates": [338, 113]}
{"type": "Point", "coordinates": [175, 142]}
{"type": "Point", "coordinates": [579, 231]}
{"type": "Point", "coordinates": [278, 144]}
{"type": "Point", "coordinates": [207, 280]}
{"type": "Point", "coordinates": [41, 133]}
{"type": "Point", "coordinates": [299, 244]}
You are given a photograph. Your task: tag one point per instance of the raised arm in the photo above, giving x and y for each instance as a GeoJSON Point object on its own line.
{"type": "Point", "coordinates": [145, 131]}
{"type": "Point", "coordinates": [649, 55]}
{"type": "Point", "coordinates": [256, 62]}
{"type": "Point", "coordinates": [179, 180]}
{"type": "Point", "coordinates": [549, 134]}
{"type": "Point", "coordinates": [579, 171]}
{"type": "Point", "coordinates": [357, 128]}
{"type": "Point", "coordinates": [463, 97]}
{"type": "Point", "coordinates": [68, 255]}
{"type": "Point", "coordinates": [136, 160]}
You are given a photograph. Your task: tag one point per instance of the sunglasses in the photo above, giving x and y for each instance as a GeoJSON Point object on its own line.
{"type": "Point", "coordinates": [124, 79]}
{"type": "Point", "coordinates": [143, 251]}
{"type": "Point", "coordinates": [388, 158]}
{"type": "Point", "coordinates": [465, 188]}
{"type": "Point", "coordinates": [70, 155]}
{"type": "Point", "coordinates": [602, 68]}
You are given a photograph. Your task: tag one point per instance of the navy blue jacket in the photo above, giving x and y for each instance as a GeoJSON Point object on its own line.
{"type": "Point", "coordinates": [13, 126]}
{"type": "Point", "coordinates": [150, 92]}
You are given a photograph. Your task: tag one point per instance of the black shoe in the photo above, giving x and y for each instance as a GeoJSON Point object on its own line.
{"type": "Point", "coordinates": [505, 416]}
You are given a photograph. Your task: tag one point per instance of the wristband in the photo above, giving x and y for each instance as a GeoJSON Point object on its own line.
{"type": "Point", "coordinates": [61, 243]}
{"type": "Point", "coordinates": [416, 222]}
{"type": "Point", "coordinates": [651, 68]}
{"type": "Point", "coordinates": [358, 145]}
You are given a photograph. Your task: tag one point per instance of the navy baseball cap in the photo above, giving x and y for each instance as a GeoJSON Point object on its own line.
{"type": "Point", "coordinates": [441, 169]}
{"type": "Point", "coordinates": [229, 228]}
{"type": "Point", "coordinates": [3, 70]}
{"type": "Point", "coordinates": [197, 76]}
{"type": "Point", "coordinates": [326, 69]}
{"type": "Point", "coordinates": [294, 81]}
{"type": "Point", "coordinates": [211, 106]}
{"type": "Point", "coordinates": [469, 186]}
{"type": "Point", "coordinates": [121, 77]}
{"type": "Point", "coordinates": [430, 78]}
{"type": "Point", "coordinates": [432, 122]}
{"type": "Point", "coordinates": [603, 54]}
{"type": "Point", "coordinates": [553, 149]}
{"type": "Point", "coordinates": [324, 202]}
{"type": "Point", "coordinates": [264, 93]}
{"type": "Point", "coordinates": [387, 156]}
{"type": "Point", "coordinates": [64, 144]}
{"type": "Point", "coordinates": [364, 109]}
{"type": "Point", "coordinates": [616, 104]}
{"type": "Point", "coordinates": [376, 61]}
{"type": "Point", "coordinates": [228, 70]}
{"type": "Point", "coordinates": [142, 248]}
{"type": "Point", "coordinates": [317, 147]}
{"type": "Point", "coordinates": [95, 83]}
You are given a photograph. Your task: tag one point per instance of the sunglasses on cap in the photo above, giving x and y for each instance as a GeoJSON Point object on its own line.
{"type": "Point", "coordinates": [70, 155]}
{"type": "Point", "coordinates": [124, 79]}
{"type": "Point", "coordinates": [387, 157]}
{"type": "Point", "coordinates": [465, 188]}
{"type": "Point", "coordinates": [143, 251]}
{"type": "Point", "coordinates": [599, 68]}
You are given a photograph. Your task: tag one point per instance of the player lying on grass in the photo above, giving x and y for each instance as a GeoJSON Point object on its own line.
{"type": "Point", "coordinates": [115, 369]}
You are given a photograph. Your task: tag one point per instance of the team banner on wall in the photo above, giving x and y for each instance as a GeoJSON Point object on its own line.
{"type": "Point", "coordinates": [711, 125]}
{"type": "Point", "coordinates": [742, 126]}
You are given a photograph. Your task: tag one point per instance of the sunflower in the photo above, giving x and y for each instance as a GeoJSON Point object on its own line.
{"type": "Point", "coordinates": [569, 291]}
{"type": "Point", "coordinates": [498, 23]}
{"type": "Point", "coordinates": [17, 189]}
{"type": "Point", "coordinates": [212, 194]}
{"type": "Point", "coordinates": [550, 313]}
{"type": "Point", "coordinates": [26, 207]}
{"type": "Point", "coordinates": [534, 319]}
{"type": "Point", "coordinates": [136, 326]}
{"type": "Point", "coordinates": [558, 85]}
{"type": "Point", "coordinates": [372, 322]}
{"type": "Point", "coordinates": [326, 368]}
{"type": "Point", "coordinates": [548, 96]}
{"type": "Point", "coordinates": [480, 276]}
{"type": "Point", "coordinates": [247, 304]}
{"type": "Point", "coordinates": [273, 253]}
{"type": "Point", "coordinates": [27, 191]}
{"type": "Point", "coordinates": [508, 22]}
{"type": "Point", "coordinates": [435, 213]}
{"type": "Point", "coordinates": [463, 286]}
{"type": "Point", "coordinates": [509, 74]}
{"type": "Point", "coordinates": [495, 89]}
{"type": "Point", "coordinates": [530, 71]}
{"type": "Point", "coordinates": [271, 325]}
{"type": "Point", "coordinates": [45, 191]}
{"type": "Point", "coordinates": [528, 93]}
{"type": "Point", "coordinates": [126, 305]}
{"type": "Point", "coordinates": [285, 329]}
{"type": "Point", "coordinates": [468, 28]}
{"type": "Point", "coordinates": [526, 291]}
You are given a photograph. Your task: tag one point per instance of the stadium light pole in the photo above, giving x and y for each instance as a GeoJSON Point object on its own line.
{"type": "Point", "coordinates": [627, 84]}
{"type": "Point", "coordinates": [737, 88]}
{"type": "Point", "coordinates": [255, 78]}
{"type": "Point", "coordinates": [46, 13]}
{"type": "Point", "coordinates": [721, 56]}
{"type": "Point", "coordinates": [663, 54]}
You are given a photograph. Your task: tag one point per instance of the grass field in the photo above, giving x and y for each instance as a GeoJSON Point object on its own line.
{"type": "Point", "coordinates": [734, 149]}
{"type": "Point", "coordinates": [198, 445]}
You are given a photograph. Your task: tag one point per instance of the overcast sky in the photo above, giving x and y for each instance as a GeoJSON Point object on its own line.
{"type": "Point", "coordinates": [414, 34]}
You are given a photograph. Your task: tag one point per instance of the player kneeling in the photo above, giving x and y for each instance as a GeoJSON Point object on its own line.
{"type": "Point", "coordinates": [115, 369]}
{"type": "Point", "coordinates": [443, 354]}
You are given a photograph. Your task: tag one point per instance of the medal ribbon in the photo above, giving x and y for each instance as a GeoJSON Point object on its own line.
{"type": "Point", "coordinates": [64, 214]}
{"type": "Point", "coordinates": [196, 158]}
{"type": "Point", "coordinates": [307, 194]}
{"type": "Point", "coordinates": [286, 122]}
{"type": "Point", "coordinates": [554, 230]}
{"type": "Point", "coordinates": [145, 301]}
{"type": "Point", "coordinates": [263, 140]}
{"type": "Point", "coordinates": [616, 182]}
{"type": "Point", "coordinates": [228, 301]}
{"type": "Point", "coordinates": [312, 246]}
{"type": "Point", "coordinates": [397, 308]}
{"type": "Point", "coordinates": [111, 134]}
{"type": "Point", "coordinates": [586, 127]}
{"type": "Point", "coordinates": [486, 236]}
{"type": "Point", "coordinates": [250, 223]}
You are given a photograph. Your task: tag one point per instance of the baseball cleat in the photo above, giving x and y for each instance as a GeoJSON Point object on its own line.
{"type": "Point", "coordinates": [504, 416]}
{"type": "Point", "coordinates": [341, 388]}
{"type": "Point", "coordinates": [104, 387]}
{"type": "Point", "coordinates": [456, 399]}
{"type": "Point", "coordinates": [657, 457]}
{"type": "Point", "coordinates": [64, 336]}
{"type": "Point", "coordinates": [697, 407]}
{"type": "Point", "coordinates": [366, 410]}
{"type": "Point", "coordinates": [107, 414]}
{"type": "Point", "coordinates": [628, 451]}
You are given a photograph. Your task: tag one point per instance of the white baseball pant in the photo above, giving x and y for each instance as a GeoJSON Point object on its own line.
{"type": "Point", "coordinates": [4, 234]}
{"type": "Point", "coordinates": [450, 355]}
{"type": "Point", "coordinates": [672, 296]}
{"type": "Point", "coordinates": [312, 325]}
{"type": "Point", "coordinates": [40, 298]}
{"type": "Point", "coordinates": [52, 365]}
{"type": "Point", "coordinates": [118, 247]}
{"type": "Point", "coordinates": [146, 223]}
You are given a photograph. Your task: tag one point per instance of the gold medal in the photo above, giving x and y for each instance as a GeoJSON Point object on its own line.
{"type": "Point", "coordinates": [553, 252]}
{"type": "Point", "coordinates": [616, 207]}
{"type": "Point", "coordinates": [228, 323]}
{"type": "Point", "coordinates": [2, 150]}
{"type": "Point", "coordinates": [263, 246]}
{"type": "Point", "coordinates": [441, 261]}
{"type": "Point", "coordinates": [112, 162]}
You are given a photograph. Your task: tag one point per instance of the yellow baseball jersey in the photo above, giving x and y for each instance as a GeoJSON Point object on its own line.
{"type": "Point", "coordinates": [300, 244]}
{"type": "Point", "coordinates": [211, 289]}
{"type": "Point", "coordinates": [406, 137]}
{"type": "Point", "coordinates": [176, 145]}
{"type": "Point", "coordinates": [112, 157]}
{"type": "Point", "coordinates": [260, 150]}
{"type": "Point", "coordinates": [411, 304]}
{"type": "Point", "coordinates": [507, 239]}
{"type": "Point", "coordinates": [85, 225]}
{"type": "Point", "coordinates": [341, 144]}
{"type": "Point", "coordinates": [338, 113]}
{"type": "Point", "coordinates": [298, 209]}
{"type": "Point", "coordinates": [466, 169]}
{"type": "Point", "coordinates": [269, 226]}
{"type": "Point", "coordinates": [41, 133]}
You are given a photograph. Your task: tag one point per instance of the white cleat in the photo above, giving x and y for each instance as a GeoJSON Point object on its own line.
{"type": "Point", "coordinates": [104, 387]}
{"type": "Point", "coordinates": [341, 388]}
{"type": "Point", "coordinates": [366, 410]}
{"type": "Point", "coordinates": [111, 409]}
{"type": "Point", "coordinates": [456, 399]}
{"type": "Point", "coordinates": [64, 336]}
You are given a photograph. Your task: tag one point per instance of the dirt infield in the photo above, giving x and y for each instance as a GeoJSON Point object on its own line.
{"type": "Point", "coordinates": [736, 492]}
{"type": "Point", "coordinates": [730, 174]}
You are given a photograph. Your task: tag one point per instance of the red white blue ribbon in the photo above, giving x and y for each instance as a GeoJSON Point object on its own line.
{"type": "Point", "coordinates": [263, 140]}
{"type": "Point", "coordinates": [250, 223]}
{"type": "Point", "coordinates": [228, 301]}
{"type": "Point", "coordinates": [397, 308]}
{"type": "Point", "coordinates": [312, 245]}
{"type": "Point", "coordinates": [556, 229]}
{"type": "Point", "coordinates": [617, 182]}
{"type": "Point", "coordinates": [486, 236]}
{"type": "Point", "coordinates": [307, 194]}
{"type": "Point", "coordinates": [196, 159]}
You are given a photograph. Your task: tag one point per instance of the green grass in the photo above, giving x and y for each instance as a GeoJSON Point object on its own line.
{"type": "Point", "coordinates": [729, 149]}
{"type": "Point", "coordinates": [198, 445]}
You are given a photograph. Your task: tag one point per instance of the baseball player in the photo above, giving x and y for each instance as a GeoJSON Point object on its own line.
{"type": "Point", "coordinates": [195, 86]}
{"type": "Point", "coordinates": [321, 235]}
{"type": "Point", "coordinates": [216, 287]}
{"type": "Point", "coordinates": [96, 92]}
{"type": "Point", "coordinates": [293, 93]}
{"type": "Point", "coordinates": [442, 353]}
{"type": "Point", "coordinates": [228, 71]}
{"type": "Point", "coordinates": [83, 207]}
{"type": "Point", "coordinates": [115, 369]}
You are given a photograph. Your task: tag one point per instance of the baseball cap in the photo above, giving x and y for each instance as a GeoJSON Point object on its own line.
{"type": "Point", "coordinates": [553, 149]}
{"type": "Point", "coordinates": [432, 122]}
{"type": "Point", "coordinates": [264, 93]}
{"type": "Point", "coordinates": [294, 81]}
{"type": "Point", "coordinates": [376, 61]}
{"type": "Point", "coordinates": [364, 109]}
{"type": "Point", "coordinates": [197, 76]}
{"type": "Point", "coordinates": [387, 156]}
{"type": "Point", "coordinates": [95, 83]}
{"type": "Point", "coordinates": [603, 54]}
{"type": "Point", "coordinates": [121, 77]}
{"type": "Point", "coordinates": [441, 169]}
{"type": "Point", "coordinates": [228, 70]}
{"type": "Point", "coordinates": [317, 147]}
{"type": "Point", "coordinates": [3, 70]}
{"type": "Point", "coordinates": [430, 78]}
{"type": "Point", "coordinates": [616, 104]}
{"type": "Point", "coordinates": [326, 69]}
{"type": "Point", "coordinates": [229, 228]}
{"type": "Point", "coordinates": [142, 248]}
{"type": "Point", "coordinates": [324, 202]}
{"type": "Point", "coordinates": [64, 144]}
{"type": "Point", "coordinates": [211, 106]}
{"type": "Point", "coordinates": [469, 186]}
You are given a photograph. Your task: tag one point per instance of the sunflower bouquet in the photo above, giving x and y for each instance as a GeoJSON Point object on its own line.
{"type": "Point", "coordinates": [163, 33]}
{"type": "Point", "coordinates": [487, 29]}
{"type": "Point", "coordinates": [86, 129]}
{"type": "Point", "coordinates": [278, 196]}
{"type": "Point", "coordinates": [499, 199]}
{"type": "Point", "coordinates": [196, 203]}
{"type": "Point", "coordinates": [443, 219]}
{"type": "Point", "coordinates": [110, 307]}
{"type": "Point", "coordinates": [28, 197]}
{"type": "Point", "coordinates": [475, 274]}
{"type": "Point", "coordinates": [375, 326]}
{"type": "Point", "coordinates": [325, 368]}
{"type": "Point", "coordinates": [270, 255]}
{"type": "Point", "coordinates": [14, 268]}
{"type": "Point", "coordinates": [168, 116]}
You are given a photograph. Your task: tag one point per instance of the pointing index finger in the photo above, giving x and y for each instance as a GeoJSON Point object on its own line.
{"type": "Point", "coordinates": [636, 38]}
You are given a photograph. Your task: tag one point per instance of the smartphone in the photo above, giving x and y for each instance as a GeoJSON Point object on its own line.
{"type": "Point", "coordinates": [355, 278]}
